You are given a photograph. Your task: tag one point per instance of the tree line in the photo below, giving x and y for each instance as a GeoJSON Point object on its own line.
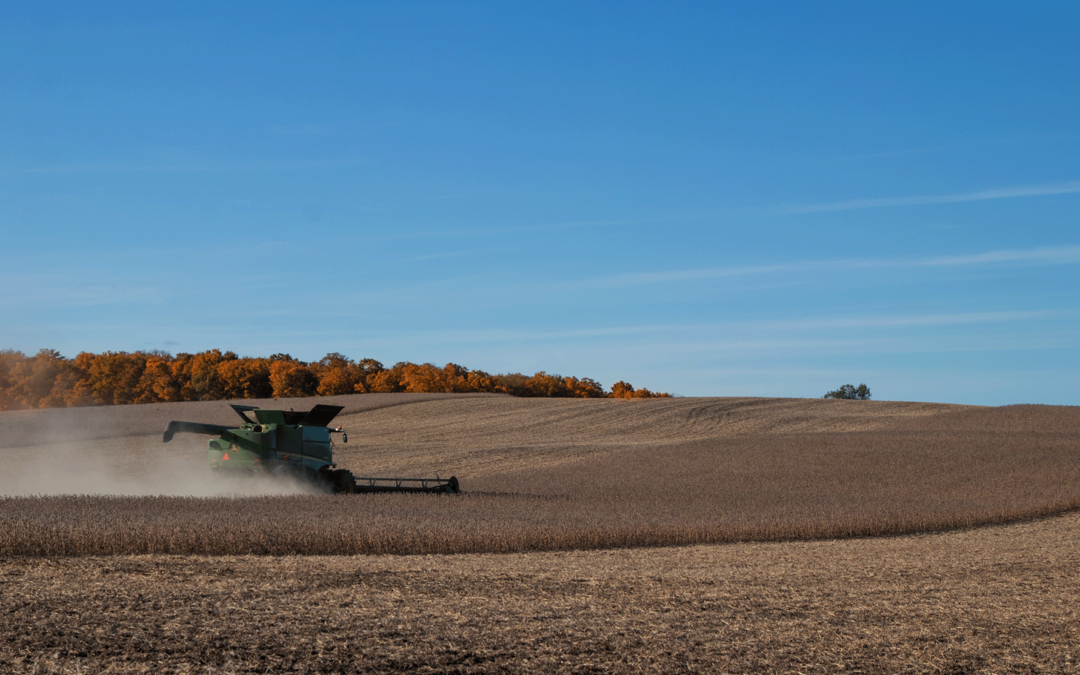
{"type": "Point", "coordinates": [49, 380]}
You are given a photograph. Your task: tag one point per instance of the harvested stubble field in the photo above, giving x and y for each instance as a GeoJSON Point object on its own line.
{"type": "Point", "coordinates": [553, 475]}
{"type": "Point", "coordinates": [548, 476]}
{"type": "Point", "coordinates": [992, 600]}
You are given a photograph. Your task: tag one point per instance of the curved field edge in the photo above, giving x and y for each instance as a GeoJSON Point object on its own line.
{"type": "Point", "coordinates": [206, 530]}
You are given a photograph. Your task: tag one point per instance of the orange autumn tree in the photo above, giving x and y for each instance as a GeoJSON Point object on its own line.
{"type": "Point", "coordinates": [245, 378]}
{"type": "Point", "coordinates": [49, 380]}
{"type": "Point", "coordinates": [158, 379]}
{"type": "Point", "coordinates": [451, 378]}
{"type": "Point", "coordinates": [626, 390]}
{"type": "Point", "coordinates": [42, 381]}
{"type": "Point", "coordinates": [290, 377]}
{"type": "Point", "coordinates": [110, 378]}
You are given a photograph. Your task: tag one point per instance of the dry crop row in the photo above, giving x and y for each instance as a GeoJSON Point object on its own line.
{"type": "Point", "coordinates": [959, 470]}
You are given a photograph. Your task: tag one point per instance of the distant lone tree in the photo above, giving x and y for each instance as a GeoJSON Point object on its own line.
{"type": "Point", "coordinates": [860, 393]}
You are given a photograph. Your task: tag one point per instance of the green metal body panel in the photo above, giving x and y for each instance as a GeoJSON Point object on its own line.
{"type": "Point", "coordinates": [269, 416]}
{"type": "Point", "coordinates": [273, 447]}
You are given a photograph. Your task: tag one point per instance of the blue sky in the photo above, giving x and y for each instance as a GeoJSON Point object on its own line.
{"type": "Point", "coordinates": [766, 199]}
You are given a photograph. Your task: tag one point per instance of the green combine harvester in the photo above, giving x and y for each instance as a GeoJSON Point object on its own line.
{"type": "Point", "coordinates": [295, 444]}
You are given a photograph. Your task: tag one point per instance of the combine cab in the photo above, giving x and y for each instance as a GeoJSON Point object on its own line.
{"type": "Point", "coordinates": [287, 443]}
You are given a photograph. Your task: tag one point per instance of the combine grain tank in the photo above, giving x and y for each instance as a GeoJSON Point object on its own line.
{"type": "Point", "coordinates": [298, 444]}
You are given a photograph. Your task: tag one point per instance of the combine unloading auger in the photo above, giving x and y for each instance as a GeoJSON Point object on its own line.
{"type": "Point", "coordinates": [288, 443]}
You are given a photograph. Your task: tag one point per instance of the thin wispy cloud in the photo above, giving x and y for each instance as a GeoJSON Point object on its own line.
{"type": "Point", "coordinates": [457, 254]}
{"type": "Point", "coordinates": [16, 292]}
{"type": "Point", "coordinates": [1050, 256]}
{"type": "Point", "coordinates": [1070, 187]}
{"type": "Point", "coordinates": [1028, 140]}
{"type": "Point", "coordinates": [772, 349]}
{"type": "Point", "coordinates": [537, 228]}
{"type": "Point", "coordinates": [301, 130]}
{"type": "Point", "coordinates": [910, 320]}
{"type": "Point", "coordinates": [1061, 255]}
{"type": "Point", "coordinates": [796, 328]}
{"type": "Point", "coordinates": [893, 153]}
{"type": "Point", "coordinates": [453, 288]}
{"type": "Point", "coordinates": [283, 165]}
{"type": "Point", "coordinates": [436, 256]}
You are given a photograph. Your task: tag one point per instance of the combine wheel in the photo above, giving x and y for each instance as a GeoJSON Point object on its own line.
{"type": "Point", "coordinates": [343, 481]}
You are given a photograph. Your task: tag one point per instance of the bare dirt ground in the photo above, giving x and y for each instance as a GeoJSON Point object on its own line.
{"type": "Point", "coordinates": [993, 600]}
